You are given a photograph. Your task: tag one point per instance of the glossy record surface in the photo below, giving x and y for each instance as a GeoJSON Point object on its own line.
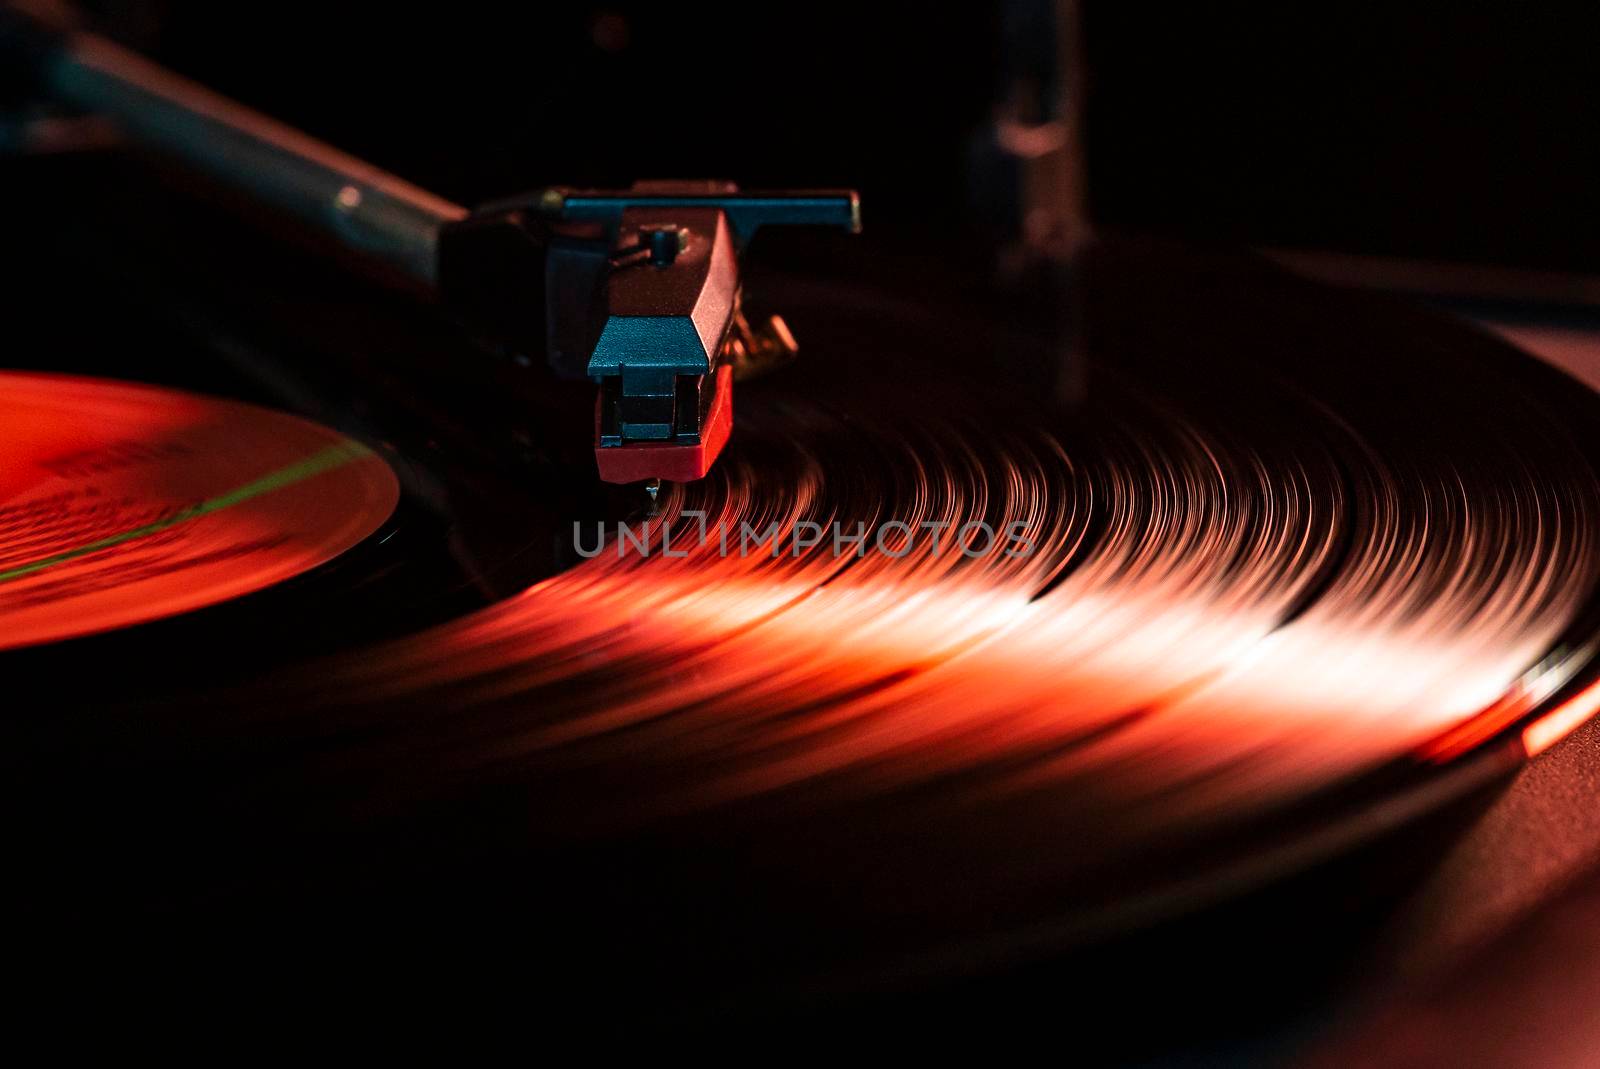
{"type": "Point", "coordinates": [1299, 557]}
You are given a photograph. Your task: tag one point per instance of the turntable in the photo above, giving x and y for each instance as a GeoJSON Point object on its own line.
{"type": "Point", "coordinates": [393, 598]}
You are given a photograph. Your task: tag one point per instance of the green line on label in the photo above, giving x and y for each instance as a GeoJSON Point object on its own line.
{"type": "Point", "coordinates": [332, 457]}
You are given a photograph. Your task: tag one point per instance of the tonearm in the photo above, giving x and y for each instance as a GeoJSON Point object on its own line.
{"type": "Point", "coordinates": [636, 289]}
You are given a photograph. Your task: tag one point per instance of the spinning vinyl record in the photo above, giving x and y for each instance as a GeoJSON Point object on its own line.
{"type": "Point", "coordinates": [989, 635]}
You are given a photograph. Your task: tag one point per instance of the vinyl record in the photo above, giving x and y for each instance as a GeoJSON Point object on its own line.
{"type": "Point", "coordinates": [1047, 627]}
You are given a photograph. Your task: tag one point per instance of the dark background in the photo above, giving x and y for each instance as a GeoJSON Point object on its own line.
{"type": "Point", "coordinates": [478, 100]}
{"type": "Point", "coordinates": [1462, 131]}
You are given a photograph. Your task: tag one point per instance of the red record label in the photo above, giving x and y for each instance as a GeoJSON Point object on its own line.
{"type": "Point", "coordinates": [121, 503]}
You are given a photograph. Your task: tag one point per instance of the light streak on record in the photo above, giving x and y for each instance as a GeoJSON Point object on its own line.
{"type": "Point", "coordinates": [1204, 631]}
